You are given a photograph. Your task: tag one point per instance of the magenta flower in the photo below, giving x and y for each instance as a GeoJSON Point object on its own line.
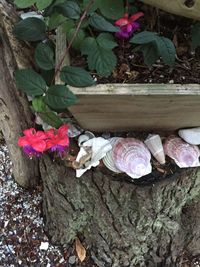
{"type": "Point", "coordinates": [57, 139]}
{"type": "Point", "coordinates": [128, 25]}
{"type": "Point", "coordinates": [33, 142]}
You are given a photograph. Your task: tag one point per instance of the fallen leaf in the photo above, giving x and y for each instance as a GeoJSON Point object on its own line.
{"type": "Point", "coordinates": [80, 250]}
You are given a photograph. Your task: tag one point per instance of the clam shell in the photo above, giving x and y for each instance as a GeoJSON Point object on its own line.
{"type": "Point", "coordinates": [108, 159]}
{"type": "Point", "coordinates": [191, 136]}
{"type": "Point", "coordinates": [154, 144]}
{"type": "Point", "coordinates": [184, 154]}
{"type": "Point", "coordinates": [132, 156]}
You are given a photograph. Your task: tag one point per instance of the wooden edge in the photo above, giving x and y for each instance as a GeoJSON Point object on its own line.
{"type": "Point", "coordinates": [138, 89]}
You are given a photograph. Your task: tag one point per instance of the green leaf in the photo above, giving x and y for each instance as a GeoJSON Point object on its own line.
{"type": "Point", "coordinates": [102, 60]}
{"type": "Point", "coordinates": [48, 116]}
{"type": "Point", "coordinates": [30, 29]}
{"type": "Point", "coordinates": [78, 39]}
{"type": "Point", "coordinates": [166, 50]}
{"type": "Point", "coordinates": [88, 45]}
{"type": "Point", "coordinates": [92, 8]}
{"type": "Point", "coordinates": [111, 9]}
{"type": "Point", "coordinates": [24, 3]}
{"type": "Point", "coordinates": [59, 97]}
{"type": "Point", "coordinates": [42, 4]}
{"type": "Point", "coordinates": [69, 9]}
{"type": "Point", "coordinates": [195, 33]}
{"type": "Point", "coordinates": [51, 119]}
{"type": "Point", "coordinates": [44, 57]}
{"type": "Point", "coordinates": [76, 76]}
{"type": "Point", "coordinates": [55, 20]}
{"type": "Point", "coordinates": [99, 23]}
{"type": "Point", "coordinates": [143, 37]}
{"type": "Point", "coordinates": [39, 105]}
{"type": "Point", "coordinates": [106, 41]}
{"type": "Point", "coordinates": [150, 53]}
{"type": "Point", "coordinates": [30, 82]}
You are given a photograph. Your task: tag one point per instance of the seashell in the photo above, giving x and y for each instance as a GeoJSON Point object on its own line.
{"type": "Point", "coordinates": [108, 159]}
{"type": "Point", "coordinates": [132, 156]}
{"type": "Point", "coordinates": [191, 136]}
{"type": "Point", "coordinates": [154, 144]}
{"type": "Point", "coordinates": [85, 137]}
{"type": "Point", "coordinates": [74, 130]}
{"type": "Point", "coordinates": [184, 154]}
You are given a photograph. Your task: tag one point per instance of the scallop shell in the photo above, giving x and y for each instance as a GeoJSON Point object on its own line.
{"type": "Point", "coordinates": [132, 156]}
{"type": "Point", "coordinates": [191, 136]}
{"type": "Point", "coordinates": [108, 159]}
{"type": "Point", "coordinates": [184, 154]}
{"type": "Point", "coordinates": [154, 144]}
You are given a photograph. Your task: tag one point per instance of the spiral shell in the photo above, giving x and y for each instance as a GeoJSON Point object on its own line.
{"type": "Point", "coordinates": [132, 156]}
{"type": "Point", "coordinates": [184, 154]}
{"type": "Point", "coordinates": [154, 144]}
{"type": "Point", "coordinates": [108, 159]}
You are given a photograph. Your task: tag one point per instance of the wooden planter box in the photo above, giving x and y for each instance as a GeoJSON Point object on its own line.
{"type": "Point", "coordinates": [122, 107]}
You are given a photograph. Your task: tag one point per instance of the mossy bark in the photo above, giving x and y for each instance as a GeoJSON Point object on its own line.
{"type": "Point", "coordinates": [123, 224]}
{"type": "Point", "coordinates": [15, 114]}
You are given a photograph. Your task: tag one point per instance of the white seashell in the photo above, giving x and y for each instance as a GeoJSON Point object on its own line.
{"type": "Point", "coordinates": [184, 154]}
{"type": "Point", "coordinates": [85, 137]}
{"type": "Point", "coordinates": [132, 156]}
{"type": "Point", "coordinates": [154, 144]}
{"type": "Point", "coordinates": [108, 159]}
{"type": "Point", "coordinates": [191, 136]}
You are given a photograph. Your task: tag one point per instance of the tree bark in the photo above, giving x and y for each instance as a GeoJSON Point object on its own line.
{"type": "Point", "coordinates": [123, 224]}
{"type": "Point", "coordinates": [15, 115]}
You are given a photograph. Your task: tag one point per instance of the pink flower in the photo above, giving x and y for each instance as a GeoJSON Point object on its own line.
{"type": "Point", "coordinates": [57, 140]}
{"type": "Point", "coordinates": [128, 25]}
{"type": "Point", "coordinates": [33, 142]}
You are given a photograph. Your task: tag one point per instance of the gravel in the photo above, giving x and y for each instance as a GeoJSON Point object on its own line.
{"type": "Point", "coordinates": [22, 239]}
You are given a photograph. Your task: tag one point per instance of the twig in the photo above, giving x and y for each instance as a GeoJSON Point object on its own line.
{"type": "Point", "coordinates": [57, 69]}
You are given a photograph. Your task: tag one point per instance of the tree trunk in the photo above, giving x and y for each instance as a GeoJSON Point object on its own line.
{"type": "Point", "coordinates": [124, 225]}
{"type": "Point", "coordinates": [15, 115]}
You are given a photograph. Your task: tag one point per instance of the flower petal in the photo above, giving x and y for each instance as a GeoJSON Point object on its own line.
{"type": "Point", "coordinates": [29, 132]}
{"type": "Point", "coordinates": [136, 16]}
{"type": "Point", "coordinates": [121, 22]}
{"type": "Point", "coordinates": [23, 141]}
{"type": "Point", "coordinates": [39, 145]}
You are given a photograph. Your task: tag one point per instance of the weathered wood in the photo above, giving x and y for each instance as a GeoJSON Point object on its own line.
{"type": "Point", "coordinates": [15, 115]}
{"type": "Point", "coordinates": [118, 107]}
{"type": "Point", "coordinates": [123, 225]}
{"type": "Point", "coordinates": [186, 8]}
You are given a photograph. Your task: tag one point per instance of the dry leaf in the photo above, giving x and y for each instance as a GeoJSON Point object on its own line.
{"type": "Point", "coordinates": [80, 250]}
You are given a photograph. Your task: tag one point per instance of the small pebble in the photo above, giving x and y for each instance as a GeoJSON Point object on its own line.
{"type": "Point", "coordinates": [72, 259]}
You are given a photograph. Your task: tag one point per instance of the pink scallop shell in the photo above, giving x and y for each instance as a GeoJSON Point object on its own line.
{"type": "Point", "coordinates": [132, 156]}
{"type": "Point", "coordinates": [184, 154]}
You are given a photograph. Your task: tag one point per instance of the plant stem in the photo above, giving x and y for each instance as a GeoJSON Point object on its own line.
{"type": "Point", "coordinates": [127, 6]}
{"type": "Point", "coordinates": [57, 69]}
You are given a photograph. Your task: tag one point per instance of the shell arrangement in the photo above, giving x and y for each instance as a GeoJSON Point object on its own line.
{"type": "Point", "coordinates": [132, 156]}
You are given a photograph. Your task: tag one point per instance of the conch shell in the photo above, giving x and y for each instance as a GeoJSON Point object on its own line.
{"type": "Point", "coordinates": [132, 157]}
{"type": "Point", "coordinates": [191, 136]}
{"type": "Point", "coordinates": [108, 159]}
{"type": "Point", "coordinates": [184, 154]}
{"type": "Point", "coordinates": [154, 144]}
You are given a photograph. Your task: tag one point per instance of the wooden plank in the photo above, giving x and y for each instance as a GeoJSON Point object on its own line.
{"type": "Point", "coordinates": [121, 107]}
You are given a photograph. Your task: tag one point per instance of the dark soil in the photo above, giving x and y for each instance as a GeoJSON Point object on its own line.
{"type": "Point", "coordinates": [131, 67]}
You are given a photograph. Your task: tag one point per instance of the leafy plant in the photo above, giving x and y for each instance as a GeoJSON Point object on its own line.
{"type": "Point", "coordinates": [153, 47]}
{"type": "Point", "coordinates": [94, 29]}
